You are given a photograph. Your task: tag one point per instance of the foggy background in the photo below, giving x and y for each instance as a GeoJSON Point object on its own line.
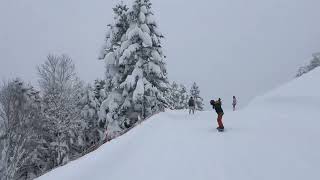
{"type": "Point", "coordinates": [229, 47]}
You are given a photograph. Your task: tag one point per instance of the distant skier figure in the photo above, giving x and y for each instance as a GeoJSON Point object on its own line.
{"type": "Point", "coordinates": [192, 106]}
{"type": "Point", "coordinates": [217, 106]}
{"type": "Point", "coordinates": [234, 103]}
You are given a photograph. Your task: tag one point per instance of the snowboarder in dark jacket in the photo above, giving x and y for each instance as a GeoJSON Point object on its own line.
{"type": "Point", "coordinates": [192, 106]}
{"type": "Point", "coordinates": [217, 106]}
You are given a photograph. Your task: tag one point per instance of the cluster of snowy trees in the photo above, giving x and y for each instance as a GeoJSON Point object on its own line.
{"type": "Point", "coordinates": [20, 107]}
{"type": "Point", "coordinates": [43, 129]}
{"type": "Point", "coordinates": [65, 119]}
{"type": "Point", "coordinates": [179, 96]}
{"type": "Point", "coordinates": [315, 62]}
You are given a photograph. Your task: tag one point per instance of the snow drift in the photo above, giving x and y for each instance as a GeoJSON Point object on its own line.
{"type": "Point", "coordinates": [276, 137]}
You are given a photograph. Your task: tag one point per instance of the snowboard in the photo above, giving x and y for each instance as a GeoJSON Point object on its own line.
{"type": "Point", "coordinates": [220, 130]}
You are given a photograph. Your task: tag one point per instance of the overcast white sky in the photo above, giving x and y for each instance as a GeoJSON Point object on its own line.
{"type": "Point", "coordinates": [229, 47]}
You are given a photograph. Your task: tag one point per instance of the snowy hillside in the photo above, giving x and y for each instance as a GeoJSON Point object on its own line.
{"type": "Point", "coordinates": [275, 138]}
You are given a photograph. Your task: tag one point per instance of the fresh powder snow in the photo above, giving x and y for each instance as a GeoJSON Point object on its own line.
{"type": "Point", "coordinates": [276, 137]}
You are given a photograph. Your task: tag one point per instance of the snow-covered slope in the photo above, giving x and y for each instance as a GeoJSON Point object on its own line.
{"type": "Point", "coordinates": [304, 90]}
{"type": "Point", "coordinates": [275, 138]}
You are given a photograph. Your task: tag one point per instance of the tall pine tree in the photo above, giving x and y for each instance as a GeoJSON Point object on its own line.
{"type": "Point", "coordinates": [141, 76]}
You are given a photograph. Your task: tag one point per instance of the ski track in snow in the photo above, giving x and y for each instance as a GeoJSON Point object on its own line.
{"type": "Point", "coordinates": [269, 140]}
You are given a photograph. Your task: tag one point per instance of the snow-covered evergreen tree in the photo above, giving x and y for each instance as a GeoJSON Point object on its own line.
{"type": "Point", "coordinates": [100, 91]}
{"type": "Point", "coordinates": [184, 97]}
{"type": "Point", "coordinates": [141, 79]}
{"type": "Point", "coordinates": [110, 52]}
{"type": "Point", "coordinates": [178, 96]}
{"type": "Point", "coordinates": [314, 63]}
{"type": "Point", "coordinates": [90, 105]}
{"type": "Point", "coordinates": [115, 31]}
{"type": "Point", "coordinates": [195, 93]}
{"type": "Point", "coordinates": [175, 95]}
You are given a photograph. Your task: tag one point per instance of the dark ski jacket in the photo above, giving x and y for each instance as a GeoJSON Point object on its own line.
{"type": "Point", "coordinates": [191, 102]}
{"type": "Point", "coordinates": [217, 106]}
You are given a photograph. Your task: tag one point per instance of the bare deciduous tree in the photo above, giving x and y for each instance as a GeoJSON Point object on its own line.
{"type": "Point", "coordinates": [61, 89]}
{"type": "Point", "coordinates": [57, 74]}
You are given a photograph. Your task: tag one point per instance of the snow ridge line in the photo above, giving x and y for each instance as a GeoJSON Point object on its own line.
{"type": "Point", "coordinates": [95, 147]}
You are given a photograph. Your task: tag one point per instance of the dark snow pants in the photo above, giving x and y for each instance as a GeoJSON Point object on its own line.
{"type": "Point", "coordinates": [191, 109]}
